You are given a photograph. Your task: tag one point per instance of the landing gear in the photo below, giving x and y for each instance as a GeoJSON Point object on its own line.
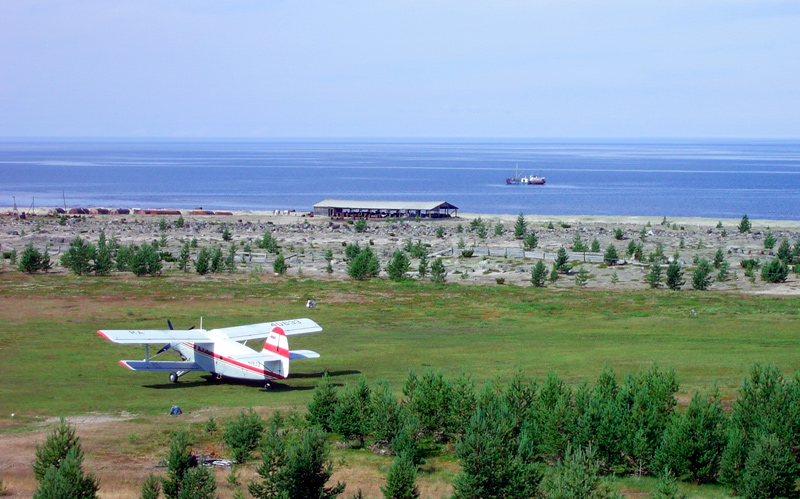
{"type": "Point", "coordinates": [173, 377]}
{"type": "Point", "coordinates": [267, 387]}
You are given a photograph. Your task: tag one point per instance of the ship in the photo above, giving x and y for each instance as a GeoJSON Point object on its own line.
{"type": "Point", "coordinates": [523, 180]}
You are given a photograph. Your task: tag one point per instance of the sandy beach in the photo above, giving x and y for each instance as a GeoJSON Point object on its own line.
{"type": "Point", "coordinates": [497, 258]}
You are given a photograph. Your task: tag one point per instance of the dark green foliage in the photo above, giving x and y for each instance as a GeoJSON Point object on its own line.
{"type": "Point", "coordinates": [520, 227]}
{"type": "Point", "coordinates": [12, 257]}
{"type": "Point", "coordinates": [745, 225]}
{"type": "Point", "coordinates": [268, 242]}
{"type": "Point", "coordinates": [385, 414]}
{"type": "Point", "coordinates": [423, 265]}
{"type": "Point", "coordinates": [467, 253]}
{"type": "Point", "coordinates": [610, 257]}
{"type": "Point", "coordinates": [226, 233]}
{"type": "Point", "coordinates": [582, 278]}
{"type": "Point", "coordinates": [775, 271]}
{"type": "Point", "coordinates": [770, 470]}
{"type": "Point", "coordinates": [162, 224]}
{"type": "Point", "coordinates": [185, 256]}
{"type": "Point", "coordinates": [124, 256]}
{"type": "Point", "coordinates": [279, 265]}
{"type": "Point", "coordinates": [431, 398]}
{"type": "Point", "coordinates": [178, 463]}
{"type": "Point", "coordinates": [724, 272]}
{"type": "Point", "coordinates": [145, 260]}
{"type": "Point", "coordinates": [674, 275]}
{"type": "Point", "coordinates": [417, 249]}
{"type": "Point", "coordinates": [638, 254]}
{"type": "Point", "coordinates": [618, 234]}
{"type": "Point", "coordinates": [295, 470]}
{"type": "Point", "coordinates": [323, 404]}
{"type": "Point", "coordinates": [577, 476]}
{"type": "Point", "coordinates": [202, 266]}
{"type": "Point", "coordinates": [216, 262]}
{"type": "Point", "coordinates": [151, 487]}
{"type": "Point", "coordinates": [785, 251]}
{"type": "Point", "coordinates": [360, 225]}
{"type": "Point", "coordinates": [401, 479]}
{"type": "Point", "coordinates": [67, 480]}
{"type": "Point", "coordinates": [719, 257]}
{"type": "Point", "coordinates": [180, 222]}
{"type": "Point", "coordinates": [55, 448]}
{"type": "Point", "coordinates": [653, 278]}
{"type": "Point", "coordinates": [595, 246]}
{"type": "Point", "coordinates": [78, 256]}
{"type": "Point", "coordinates": [631, 249]}
{"type": "Point", "coordinates": [770, 240]}
{"type": "Point", "coordinates": [30, 260]}
{"type": "Point", "coordinates": [498, 229]}
{"type": "Point", "coordinates": [554, 273]}
{"type": "Point", "coordinates": [667, 488]}
{"type": "Point", "coordinates": [364, 265]}
{"type": "Point", "coordinates": [694, 440]}
{"type": "Point", "coordinates": [438, 272]}
{"type": "Point", "coordinates": [230, 260]}
{"type": "Point", "coordinates": [529, 241]}
{"type": "Point", "coordinates": [351, 417]}
{"type": "Point", "coordinates": [539, 274]}
{"type": "Point", "coordinates": [578, 245]}
{"type": "Point", "coordinates": [440, 232]}
{"type": "Point", "coordinates": [406, 440]}
{"type": "Point", "coordinates": [198, 483]}
{"type": "Point", "coordinates": [562, 260]}
{"type": "Point", "coordinates": [398, 266]}
{"type": "Point", "coordinates": [103, 260]}
{"type": "Point", "coordinates": [243, 434]}
{"type": "Point", "coordinates": [494, 462]}
{"type": "Point", "coordinates": [352, 250]}
{"type": "Point", "coordinates": [701, 277]}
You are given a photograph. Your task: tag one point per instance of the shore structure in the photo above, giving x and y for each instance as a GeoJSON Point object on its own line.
{"type": "Point", "coordinates": [339, 209]}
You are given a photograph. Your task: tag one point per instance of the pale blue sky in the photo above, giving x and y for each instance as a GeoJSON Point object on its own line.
{"type": "Point", "coordinates": [427, 69]}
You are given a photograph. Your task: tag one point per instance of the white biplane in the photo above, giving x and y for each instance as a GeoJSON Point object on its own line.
{"type": "Point", "coordinates": [222, 352]}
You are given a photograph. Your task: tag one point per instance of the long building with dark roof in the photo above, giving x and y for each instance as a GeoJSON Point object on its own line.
{"type": "Point", "coordinates": [341, 208]}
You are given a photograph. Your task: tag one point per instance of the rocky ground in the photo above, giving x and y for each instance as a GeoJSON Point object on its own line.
{"type": "Point", "coordinates": [497, 258]}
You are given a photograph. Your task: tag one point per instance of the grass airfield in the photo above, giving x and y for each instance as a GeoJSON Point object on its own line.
{"type": "Point", "coordinates": [53, 362]}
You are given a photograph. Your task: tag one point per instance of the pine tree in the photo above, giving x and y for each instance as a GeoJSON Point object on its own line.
{"type": "Point", "coordinates": [438, 271]}
{"type": "Point", "coordinates": [423, 265]}
{"type": "Point", "coordinates": [178, 463]}
{"type": "Point", "coordinates": [279, 265]}
{"type": "Point", "coordinates": [323, 403]}
{"type": "Point", "coordinates": [539, 274]}
{"type": "Point", "coordinates": [577, 476]}
{"type": "Point", "coordinates": [103, 260]}
{"type": "Point", "coordinates": [58, 467]}
{"type": "Point", "coordinates": [351, 417]}
{"type": "Point", "coordinates": [385, 414]}
{"type": "Point", "coordinates": [582, 278]}
{"type": "Point", "coordinates": [401, 479]}
{"type": "Point", "coordinates": [184, 257]}
{"type": "Point", "coordinates": [775, 271]}
{"type": "Point", "coordinates": [674, 275]}
{"type": "Point", "coordinates": [202, 264]}
{"type": "Point", "coordinates": [562, 260]}
{"type": "Point", "coordinates": [406, 441]}
{"type": "Point", "coordinates": [745, 225]}
{"type": "Point", "coordinates": [770, 470]}
{"type": "Point", "coordinates": [243, 434]}
{"type": "Point", "coordinates": [151, 487]}
{"type": "Point", "coordinates": [770, 240]}
{"type": "Point", "coordinates": [78, 256]}
{"type": "Point", "coordinates": [578, 245]}
{"type": "Point", "coordinates": [701, 277]}
{"type": "Point", "coordinates": [595, 246]}
{"type": "Point", "coordinates": [198, 483]}
{"type": "Point", "coordinates": [785, 252]}
{"type": "Point", "coordinates": [529, 242]}
{"type": "Point", "coordinates": [30, 260]}
{"type": "Point", "coordinates": [398, 266]}
{"type": "Point", "coordinates": [610, 257]}
{"type": "Point", "coordinates": [719, 257]}
{"type": "Point", "coordinates": [653, 278]}
{"type": "Point", "coordinates": [520, 227]}
{"type": "Point", "coordinates": [364, 265]}
{"type": "Point", "coordinates": [216, 261]}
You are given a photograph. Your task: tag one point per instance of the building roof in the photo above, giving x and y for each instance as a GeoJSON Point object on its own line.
{"type": "Point", "coordinates": [385, 205]}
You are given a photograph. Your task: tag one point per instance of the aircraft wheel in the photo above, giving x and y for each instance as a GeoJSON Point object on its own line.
{"type": "Point", "coordinates": [173, 377]}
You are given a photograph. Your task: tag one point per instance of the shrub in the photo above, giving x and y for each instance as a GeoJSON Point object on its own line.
{"type": "Point", "coordinates": [539, 274]}
{"type": "Point", "coordinates": [30, 260]}
{"type": "Point", "coordinates": [178, 462]}
{"type": "Point", "coordinates": [775, 271]}
{"type": "Point", "coordinates": [578, 245]}
{"type": "Point", "coordinates": [467, 253]}
{"type": "Point", "coordinates": [610, 257]}
{"type": "Point", "coordinates": [438, 271]}
{"type": "Point", "coordinates": [364, 265]}
{"type": "Point", "coordinates": [440, 232]}
{"type": "Point", "coordinates": [243, 434]}
{"type": "Point", "coordinates": [279, 265]}
{"type": "Point", "coordinates": [360, 225]}
{"type": "Point", "coordinates": [770, 240]}
{"type": "Point", "coordinates": [618, 235]}
{"type": "Point", "coordinates": [529, 242]}
{"type": "Point", "coordinates": [78, 256]}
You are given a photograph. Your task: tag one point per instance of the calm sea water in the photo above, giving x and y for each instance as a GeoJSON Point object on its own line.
{"type": "Point", "coordinates": [706, 179]}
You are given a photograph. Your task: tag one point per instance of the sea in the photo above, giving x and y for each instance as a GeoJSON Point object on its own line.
{"type": "Point", "coordinates": [712, 178]}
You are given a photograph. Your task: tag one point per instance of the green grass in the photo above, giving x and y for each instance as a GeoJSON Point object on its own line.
{"type": "Point", "coordinates": [53, 362]}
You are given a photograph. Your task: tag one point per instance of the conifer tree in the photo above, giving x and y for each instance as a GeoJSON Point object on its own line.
{"type": "Point", "coordinates": [30, 260]}
{"type": "Point", "coordinates": [151, 487]}
{"type": "Point", "coordinates": [178, 463]}
{"type": "Point", "coordinates": [198, 483]}
{"type": "Point", "coordinates": [775, 271]}
{"type": "Point", "coordinates": [401, 479]}
{"type": "Point", "coordinates": [674, 275]}
{"type": "Point", "coordinates": [423, 265]}
{"type": "Point", "coordinates": [701, 277]}
{"type": "Point", "coordinates": [595, 246]}
{"type": "Point", "coordinates": [398, 266]}
{"type": "Point", "coordinates": [520, 227]}
{"type": "Point", "coordinates": [770, 240]}
{"type": "Point", "coordinates": [653, 278]}
{"type": "Point", "coordinates": [279, 265]}
{"type": "Point", "coordinates": [744, 224]}
{"type": "Point", "coordinates": [770, 470]}
{"type": "Point", "coordinates": [216, 261]}
{"type": "Point", "coordinates": [438, 271]}
{"type": "Point", "coordinates": [202, 264]}
{"type": "Point", "coordinates": [539, 274]}
{"type": "Point", "coordinates": [243, 434]}
{"type": "Point", "coordinates": [562, 260]}
{"type": "Point", "coordinates": [719, 257]}
{"type": "Point", "coordinates": [352, 418]}
{"type": "Point", "coordinates": [184, 257]}
{"type": "Point", "coordinates": [323, 404]}
{"type": "Point", "coordinates": [610, 257]}
{"type": "Point", "coordinates": [385, 414]}
{"type": "Point", "coordinates": [58, 467]}
{"type": "Point", "coordinates": [103, 260]}
{"type": "Point", "coordinates": [78, 256]}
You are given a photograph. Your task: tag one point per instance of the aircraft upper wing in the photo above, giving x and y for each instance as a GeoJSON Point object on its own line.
{"type": "Point", "coordinates": [262, 330]}
{"type": "Point", "coordinates": [143, 336]}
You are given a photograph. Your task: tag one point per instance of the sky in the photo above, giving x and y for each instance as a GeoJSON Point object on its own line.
{"type": "Point", "coordinates": [400, 69]}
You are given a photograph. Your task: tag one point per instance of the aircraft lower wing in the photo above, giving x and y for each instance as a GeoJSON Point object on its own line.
{"type": "Point", "coordinates": [141, 365]}
{"type": "Point", "coordinates": [263, 329]}
{"type": "Point", "coordinates": [303, 354]}
{"type": "Point", "coordinates": [145, 336]}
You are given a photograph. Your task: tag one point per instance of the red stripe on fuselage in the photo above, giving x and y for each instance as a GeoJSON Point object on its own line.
{"type": "Point", "coordinates": [213, 355]}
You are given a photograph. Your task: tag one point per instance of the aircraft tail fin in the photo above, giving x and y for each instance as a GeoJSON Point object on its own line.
{"type": "Point", "coordinates": [278, 344]}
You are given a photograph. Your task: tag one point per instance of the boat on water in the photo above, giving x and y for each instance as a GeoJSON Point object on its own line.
{"type": "Point", "coordinates": [523, 180]}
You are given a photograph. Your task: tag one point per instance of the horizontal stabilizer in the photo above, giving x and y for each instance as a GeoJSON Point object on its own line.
{"type": "Point", "coordinates": [303, 354]}
{"type": "Point", "coordinates": [141, 365]}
